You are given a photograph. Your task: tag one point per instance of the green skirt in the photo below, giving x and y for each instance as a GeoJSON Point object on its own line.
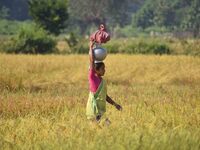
{"type": "Point", "coordinates": [96, 105]}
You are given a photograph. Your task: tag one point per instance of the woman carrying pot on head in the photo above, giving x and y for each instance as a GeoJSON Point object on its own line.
{"type": "Point", "coordinates": [96, 105]}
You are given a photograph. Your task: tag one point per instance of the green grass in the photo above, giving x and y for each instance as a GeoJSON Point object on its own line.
{"type": "Point", "coordinates": [43, 100]}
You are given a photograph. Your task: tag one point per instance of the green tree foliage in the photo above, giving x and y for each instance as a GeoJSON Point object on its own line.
{"type": "Point", "coordinates": [31, 39]}
{"type": "Point", "coordinates": [82, 15]}
{"type": "Point", "coordinates": [113, 12]}
{"type": "Point", "coordinates": [164, 13]}
{"type": "Point", "coordinates": [173, 14]}
{"type": "Point", "coordinates": [117, 12]}
{"type": "Point", "coordinates": [9, 27]}
{"type": "Point", "coordinates": [50, 14]}
{"type": "Point", "coordinates": [3, 12]}
{"type": "Point", "coordinates": [72, 40]}
{"type": "Point", "coordinates": [192, 21]}
{"type": "Point", "coordinates": [168, 13]}
{"type": "Point", "coordinates": [88, 10]}
{"type": "Point", "coordinates": [155, 12]}
{"type": "Point", "coordinates": [144, 17]}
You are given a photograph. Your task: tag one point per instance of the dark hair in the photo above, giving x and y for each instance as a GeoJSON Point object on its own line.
{"type": "Point", "coordinates": [104, 25]}
{"type": "Point", "coordinates": [98, 65]}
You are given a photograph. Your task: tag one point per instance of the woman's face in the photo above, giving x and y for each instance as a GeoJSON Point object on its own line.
{"type": "Point", "coordinates": [102, 27]}
{"type": "Point", "coordinates": [101, 71]}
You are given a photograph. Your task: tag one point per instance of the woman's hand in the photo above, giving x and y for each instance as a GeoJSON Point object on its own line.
{"type": "Point", "coordinates": [118, 107]}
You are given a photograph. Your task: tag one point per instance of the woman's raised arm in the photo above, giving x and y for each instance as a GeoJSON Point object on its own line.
{"type": "Point", "coordinates": [91, 54]}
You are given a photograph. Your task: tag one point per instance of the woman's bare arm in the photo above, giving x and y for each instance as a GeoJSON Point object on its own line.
{"type": "Point", "coordinates": [91, 54]}
{"type": "Point", "coordinates": [109, 100]}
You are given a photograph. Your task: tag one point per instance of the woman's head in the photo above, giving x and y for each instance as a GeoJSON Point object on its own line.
{"type": "Point", "coordinates": [102, 27]}
{"type": "Point", "coordinates": [99, 68]}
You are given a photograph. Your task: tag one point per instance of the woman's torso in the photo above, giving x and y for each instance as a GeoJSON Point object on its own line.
{"type": "Point", "coordinates": [94, 80]}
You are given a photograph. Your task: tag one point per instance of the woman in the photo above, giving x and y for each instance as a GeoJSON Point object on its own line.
{"type": "Point", "coordinates": [96, 105]}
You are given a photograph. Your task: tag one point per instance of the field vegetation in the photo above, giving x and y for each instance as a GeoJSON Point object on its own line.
{"type": "Point", "coordinates": [152, 70]}
{"type": "Point", "coordinates": [43, 100]}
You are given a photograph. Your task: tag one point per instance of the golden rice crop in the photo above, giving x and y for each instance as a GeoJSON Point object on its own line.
{"type": "Point", "coordinates": [43, 99]}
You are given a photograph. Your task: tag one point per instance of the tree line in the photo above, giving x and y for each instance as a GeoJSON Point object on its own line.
{"type": "Point", "coordinates": [175, 15]}
{"type": "Point", "coordinates": [182, 15]}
